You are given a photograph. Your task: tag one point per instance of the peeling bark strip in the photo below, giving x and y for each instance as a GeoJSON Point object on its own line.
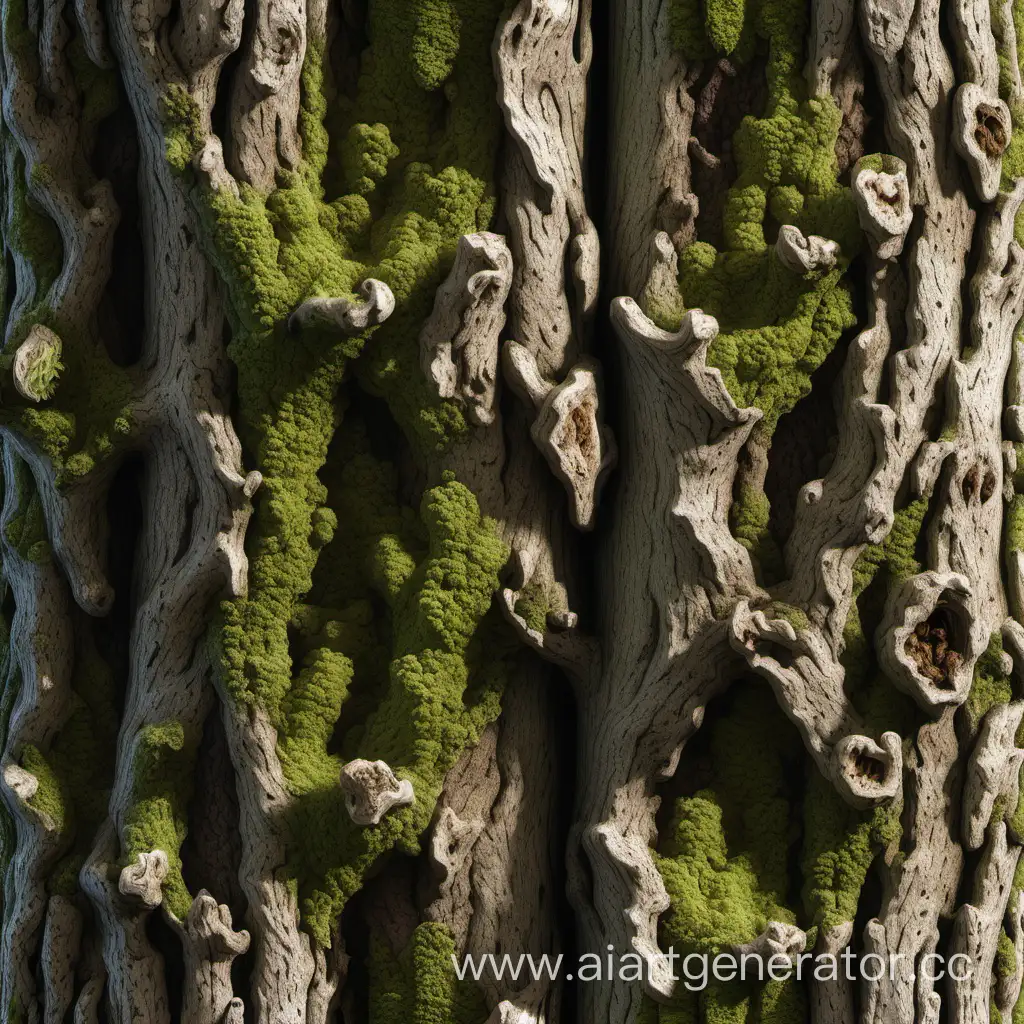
{"type": "Point", "coordinates": [310, 680]}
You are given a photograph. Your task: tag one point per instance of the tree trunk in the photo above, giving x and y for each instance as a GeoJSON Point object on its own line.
{"type": "Point", "coordinates": [330, 659]}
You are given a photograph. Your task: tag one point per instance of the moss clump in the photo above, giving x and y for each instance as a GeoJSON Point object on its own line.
{"type": "Point", "coordinates": [748, 520]}
{"type": "Point", "coordinates": [533, 606]}
{"type": "Point", "coordinates": [796, 617]}
{"type": "Point", "coordinates": [724, 861]}
{"type": "Point", "coordinates": [991, 685]}
{"type": "Point", "coordinates": [157, 819]}
{"type": "Point", "coordinates": [777, 326]}
{"type": "Point", "coordinates": [420, 985]}
{"type": "Point", "coordinates": [310, 709]}
{"type": "Point", "coordinates": [435, 43]}
{"type": "Point", "coordinates": [366, 154]}
{"type": "Point", "coordinates": [839, 846]}
{"type": "Point", "coordinates": [91, 417]}
{"type": "Point", "coordinates": [426, 716]}
{"type": "Point", "coordinates": [183, 128]}
{"type": "Point", "coordinates": [49, 798]}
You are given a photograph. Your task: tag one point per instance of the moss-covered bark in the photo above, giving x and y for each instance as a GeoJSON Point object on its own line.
{"type": "Point", "coordinates": [312, 683]}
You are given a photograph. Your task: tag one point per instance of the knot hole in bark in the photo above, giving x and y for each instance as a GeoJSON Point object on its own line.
{"type": "Point", "coordinates": [869, 767]}
{"type": "Point", "coordinates": [990, 134]}
{"type": "Point", "coordinates": [933, 647]}
{"type": "Point", "coordinates": [579, 430]}
{"type": "Point", "coordinates": [780, 654]}
{"type": "Point", "coordinates": [976, 484]}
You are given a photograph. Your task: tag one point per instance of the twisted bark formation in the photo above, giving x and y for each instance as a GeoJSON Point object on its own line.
{"type": "Point", "coordinates": [378, 591]}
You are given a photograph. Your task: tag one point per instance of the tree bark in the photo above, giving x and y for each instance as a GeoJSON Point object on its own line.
{"type": "Point", "coordinates": [490, 478]}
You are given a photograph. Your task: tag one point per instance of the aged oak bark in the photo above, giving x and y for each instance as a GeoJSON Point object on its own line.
{"type": "Point", "coordinates": [508, 477]}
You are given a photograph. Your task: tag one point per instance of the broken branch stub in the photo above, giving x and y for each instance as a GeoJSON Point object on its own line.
{"type": "Point", "coordinates": [144, 879]}
{"type": "Point", "coordinates": [343, 313]}
{"type": "Point", "coordinates": [778, 939]}
{"type": "Point", "coordinates": [805, 254]}
{"type": "Point", "coordinates": [881, 194]}
{"type": "Point", "coordinates": [459, 341]}
{"type": "Point", "coordinates": [981, 133]}
{"type": "Point", "coordinates": [371, 789]}
{"type": "Point", "coordinates": [578, 447]}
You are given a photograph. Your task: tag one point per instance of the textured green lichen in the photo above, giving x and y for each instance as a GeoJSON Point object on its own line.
{"type": "Point", "coordinates": [85, 416]}
{"type": "Point", "coordinates": [413, 164]}
{"type": "Point", "coordinates": [839, 846]}
{"type": "Point", "coordinates": [162, 785]}
{"type": "Point", "coordinates": [748, 520]}
{"type": "Point", "coordinates": [879, 568]}
{"type": "Point", "coordinates": [49, 798]}
{"type": "Point", "coordinates": [425, 717]}
{"type": "Point", "coordinates": [776, 326]}
{"type": "Point", "coordinates": [991, 686]}
{"type": "Point", "coordinates": [533, 606]}
{"type": "Point", "coordinates": [725, 859]}
{"type": "Point", "coordinates": [420, 985]}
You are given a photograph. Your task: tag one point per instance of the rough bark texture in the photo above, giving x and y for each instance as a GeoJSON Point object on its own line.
{"type": "Point", "coordinates": [487, 477]}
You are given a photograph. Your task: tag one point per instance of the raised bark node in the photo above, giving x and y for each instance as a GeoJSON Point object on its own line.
{"type": "Point", "coordinates": [927, 639]}
{"type": "Point", "coordinates": [885, 24]}
{"type": "Point", "coordinates": [459, 341]}
{"type": "Point", "coordinates": [804, 254]}
{"type": "Point", "coordinates": [342, 313]}
{"type": "Point", "coordinates": [778, 939]}
{"type": "Point", "coordinates": [210, 169]}
{"type": "Point", "coordinates": [37, 364]}
{"type": "Point", "coordinates": [209, 929]}
{"type": "Point", "coordinates": [567, 430]}
{"type": "Point", "coordinates": [881, 193]}
{"type": "Point", "coordinates": [992, 771]}
{"type": "Point", "coordinates": [371, 789]}
{"type": "Point", "coordinates": [981, 133]}
{"type": "Point", "coordinates": [144, 879]}
{"type": "Point", "coordinates": [206, 30]}
{"type": "Point", "coordinates": [808, 683]}
{"type": "Point", "coordinates": [23, 784]}
{"type": "Point", "coordinates": [868, 772]}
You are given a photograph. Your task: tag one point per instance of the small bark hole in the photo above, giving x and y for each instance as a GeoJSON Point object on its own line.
{"type": "Point", "coordinates": [579, 432]}
{"type": "Point", "coordinates": [988, 485]}
{"type": "Point", "coordinates": [971, 483]}
{"type": "Point", "coordinates": [990, 134]}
